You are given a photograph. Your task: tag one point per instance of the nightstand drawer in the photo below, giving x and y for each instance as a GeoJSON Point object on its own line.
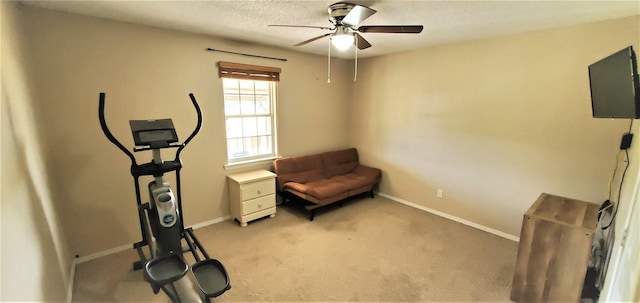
{"type": "Point", "coordinates": [258, 204]}
{"type": "Point", "coordinates": [257, 189]}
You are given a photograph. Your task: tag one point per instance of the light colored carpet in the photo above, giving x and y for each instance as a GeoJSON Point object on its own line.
{"type": "Point", "coordinates": [369, 250]}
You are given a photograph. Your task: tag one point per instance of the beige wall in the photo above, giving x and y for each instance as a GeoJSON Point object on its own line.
{"type": "Point", "coordinates": [147, 73]}
{"type": "Point", "coordinates": [492, 122]}
{"type": "Point", "coordinates": [35, 262]}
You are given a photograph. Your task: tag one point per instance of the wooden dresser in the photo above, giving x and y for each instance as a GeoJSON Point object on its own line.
{"type": "Point", "coordinates": [252, 195]}
{"type": "Point", "coordinates": [554, 249]}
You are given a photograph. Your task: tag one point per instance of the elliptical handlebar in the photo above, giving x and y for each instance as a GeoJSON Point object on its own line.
{"type": "Point", "coordinates": [196, 130]}
{"type": "Point", "coordinates": [109, 135]}
{"type": "Point", "coordinates": [107, 132]}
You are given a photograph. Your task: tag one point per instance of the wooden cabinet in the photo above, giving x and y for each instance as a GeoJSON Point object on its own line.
{"type": "Point", "coordinates": [554, 249]}
{"type": "Point", "coordinates": [252, 195]}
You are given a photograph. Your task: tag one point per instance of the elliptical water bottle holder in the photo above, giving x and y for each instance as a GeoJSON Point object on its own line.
{"type": "Point", "coordinates": [166, 206]}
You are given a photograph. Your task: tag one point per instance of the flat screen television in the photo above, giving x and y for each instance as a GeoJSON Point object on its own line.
{"type": "Point", "coordinates": [615, 92]}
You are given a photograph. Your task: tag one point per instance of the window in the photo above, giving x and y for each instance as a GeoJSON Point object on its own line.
{"type": "Point", "coordinates": [249, 108]}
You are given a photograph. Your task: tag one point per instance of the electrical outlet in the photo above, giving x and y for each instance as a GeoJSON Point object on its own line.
{"type": "Point", "coordinates": [439, 193]}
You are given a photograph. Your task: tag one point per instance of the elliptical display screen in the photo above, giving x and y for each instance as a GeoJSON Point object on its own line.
{"type": "Point", "coordinates": [155, 133]}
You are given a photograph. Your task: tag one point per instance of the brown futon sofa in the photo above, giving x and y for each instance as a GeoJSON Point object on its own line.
{"type": "Point", "coordinates": [325, 178]}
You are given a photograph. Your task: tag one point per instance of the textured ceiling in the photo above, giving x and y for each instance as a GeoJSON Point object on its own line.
{"type": "Point", "coordinates": [444, 21]}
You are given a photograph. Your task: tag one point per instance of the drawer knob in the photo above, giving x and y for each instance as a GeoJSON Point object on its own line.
{"type": "Point", "coordinates": [259, 191]}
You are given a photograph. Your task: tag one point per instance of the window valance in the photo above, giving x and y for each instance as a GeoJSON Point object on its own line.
{"type": "Point", "coordinates": [248, 72]}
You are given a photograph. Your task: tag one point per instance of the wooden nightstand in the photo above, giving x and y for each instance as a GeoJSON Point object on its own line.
{"type": "Point", "coordinates": [252, 195]}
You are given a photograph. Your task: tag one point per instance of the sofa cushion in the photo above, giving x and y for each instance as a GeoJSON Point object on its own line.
{"type": "Point", "coordinates": [299, 169]}
{"type": "Point", "coordinates": [352, 181]}
{"type": "Point", "coordinates": [319, 189]}
{"type": "Point", "coordinates": [340, 162]}
{"type": "Point", "coordinates": [371, 174]}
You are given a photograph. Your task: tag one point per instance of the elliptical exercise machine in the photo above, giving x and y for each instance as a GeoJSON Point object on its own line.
{"type": "Point", "coordinates": [161, 217]}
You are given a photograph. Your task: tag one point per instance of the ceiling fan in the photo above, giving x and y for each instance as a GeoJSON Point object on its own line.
{"type": "Point", "coordinates": [345, 18]}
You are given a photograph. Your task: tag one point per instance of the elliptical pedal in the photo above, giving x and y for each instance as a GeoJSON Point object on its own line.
{"type": "Point", "coordinates": [163, 270]}
{"type": "Point", "coordinates": [211, 277]}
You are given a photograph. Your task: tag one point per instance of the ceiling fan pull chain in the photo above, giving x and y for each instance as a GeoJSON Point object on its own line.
{"type": "Point", "coordinates": [355, 74]}
{"type": "Point", "coordinates": [329, 63]}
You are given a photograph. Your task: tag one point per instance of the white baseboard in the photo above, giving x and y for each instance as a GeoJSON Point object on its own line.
{"type": "Point", "coordinates": [72, 278]}
{"type": "Point", "coordinates": [101, 254]}
{"type": "Point", "coordinates": [130, 246]}
{"type": "Point", "coordinates": [454, 218]}
{"type": "Point", "coordinates": [210, 222]}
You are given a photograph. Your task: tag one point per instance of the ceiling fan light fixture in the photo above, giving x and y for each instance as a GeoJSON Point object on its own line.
{"type": "Point", "coordinates": [346, 19]}
{"type": "Point", "coordinates": [342, 41]}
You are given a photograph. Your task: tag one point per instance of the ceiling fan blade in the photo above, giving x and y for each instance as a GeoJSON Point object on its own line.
{"type": "Point", "coordinates": [361, 42]}
{"type": "Point", "coordinates": [306, 26]}
{"type": "Point", "coordinates": [400, 29]}
{"type": "Point", "coordinates": [312, 39]}
{"type": "Point", "coordinates": [357, 14]}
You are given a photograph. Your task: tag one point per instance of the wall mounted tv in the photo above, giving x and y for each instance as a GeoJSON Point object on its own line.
{"type": "Point", "coordinates": [615, 91]}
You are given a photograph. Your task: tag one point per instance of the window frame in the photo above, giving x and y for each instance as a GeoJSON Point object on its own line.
{"type": "Point", "coordinates": [242, 72]}
{"type": "Point", "coordinates": [272, 95]}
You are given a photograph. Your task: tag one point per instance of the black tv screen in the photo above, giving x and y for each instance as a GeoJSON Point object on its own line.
{"type": "Point", "coordinates": [615, 92]}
